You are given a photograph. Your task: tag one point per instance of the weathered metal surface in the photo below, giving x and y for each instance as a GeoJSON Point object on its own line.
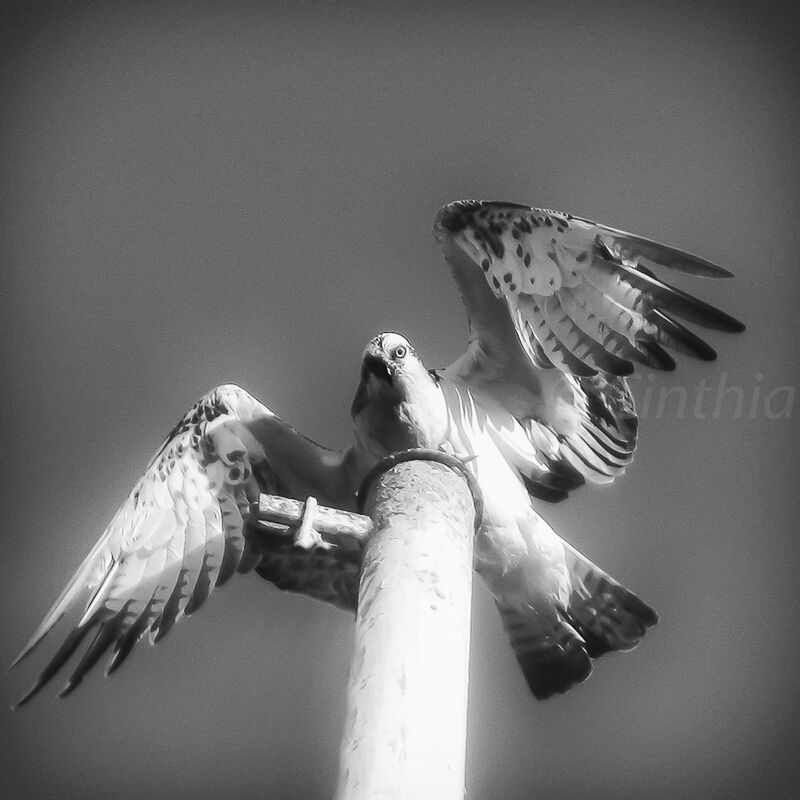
{"type": "Point", "coordinates": [405, 732]}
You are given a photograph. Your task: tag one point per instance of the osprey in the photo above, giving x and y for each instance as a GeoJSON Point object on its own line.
{"type": "Point", "coordinates": [560, 310]}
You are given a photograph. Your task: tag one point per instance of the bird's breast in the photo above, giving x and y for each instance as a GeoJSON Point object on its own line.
{"type": "Point", "coordinates": [388, 421]}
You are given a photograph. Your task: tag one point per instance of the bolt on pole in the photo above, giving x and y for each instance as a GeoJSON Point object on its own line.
{"type": "Point", "coordinates": [406, 722]}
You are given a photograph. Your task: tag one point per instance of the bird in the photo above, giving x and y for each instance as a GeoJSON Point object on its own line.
{"type": "Point", "coordinates": [560, 310]}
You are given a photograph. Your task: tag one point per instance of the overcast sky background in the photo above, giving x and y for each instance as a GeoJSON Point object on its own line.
{"type": "Point", "coordinates": [194, 193]}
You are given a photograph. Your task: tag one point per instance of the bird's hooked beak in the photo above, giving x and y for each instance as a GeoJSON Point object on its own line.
{"type": "Point", "coordinates": [375, 363]}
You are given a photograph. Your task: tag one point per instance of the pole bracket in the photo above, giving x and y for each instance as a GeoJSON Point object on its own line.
{"type": "Point", "coordinates": [423, 454]}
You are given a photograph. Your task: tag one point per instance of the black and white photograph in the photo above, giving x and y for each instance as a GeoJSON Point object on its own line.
{"type": "Point", "coordinates": [400, 400]}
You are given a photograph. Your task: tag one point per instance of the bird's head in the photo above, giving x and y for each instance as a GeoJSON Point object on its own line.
{"type": "Point", "coordinates": [398, 403]}
{"type": "Point", "coordinates": [393, 370]}
{"type": "Point", "coordinates": [391, 358]}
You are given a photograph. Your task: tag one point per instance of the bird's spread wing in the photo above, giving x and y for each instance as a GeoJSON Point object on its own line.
{"type": "Point", "coordinates": [181, 531]}
{"type": "Point", "coordinates": [560, 310]}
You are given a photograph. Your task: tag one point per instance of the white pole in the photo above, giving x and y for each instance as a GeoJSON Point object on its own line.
{"type": "Point", "coordinates": [405, 730]}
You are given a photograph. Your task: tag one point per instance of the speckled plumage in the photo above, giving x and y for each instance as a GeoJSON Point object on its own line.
{"type": "Point", "coordinates": [560, 310]}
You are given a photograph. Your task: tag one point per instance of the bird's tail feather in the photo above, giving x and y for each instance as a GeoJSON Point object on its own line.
{"type": "Point", "coordinates": [607, 615]}
{"type": "Point", "coordinates": [550, 652]}
{"type": "Point", "coordinates": [555, 644]}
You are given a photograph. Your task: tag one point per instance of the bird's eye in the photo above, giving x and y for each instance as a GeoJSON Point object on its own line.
{"type": "Point", "coordinates": [400, 352]}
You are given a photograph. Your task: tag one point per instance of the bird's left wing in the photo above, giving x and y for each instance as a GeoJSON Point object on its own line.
{"type": "Point", "coordinates": [181, 532]}
{"type": "Point", "coordinates": [560, 311]}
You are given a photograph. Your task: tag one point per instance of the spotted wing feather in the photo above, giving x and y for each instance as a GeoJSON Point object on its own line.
{"type": "Point", "coordinates": [177, 537]}
{"type": "Point", "coordinates": [581, 293]}
{"type": "Point", "coordinates": [560, 311]}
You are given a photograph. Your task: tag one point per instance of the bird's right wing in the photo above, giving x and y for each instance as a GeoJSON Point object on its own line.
{"type": "Point", "coordinates": [581, 296]}
{"type": "Point", "coordinates": [560, 310]}
{"type": "Point", "coordinates": [181, 531]}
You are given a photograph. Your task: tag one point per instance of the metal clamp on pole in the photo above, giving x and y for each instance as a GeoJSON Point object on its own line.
{"type": "Point", "coordinates": [423, 454]}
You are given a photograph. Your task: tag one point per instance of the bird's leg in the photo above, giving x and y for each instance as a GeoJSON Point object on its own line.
{"type": "Point", "coordinates": [305, 535]}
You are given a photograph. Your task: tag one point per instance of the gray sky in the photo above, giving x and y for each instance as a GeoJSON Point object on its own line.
{"type": "Point", "coordinates": [194, 193]}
